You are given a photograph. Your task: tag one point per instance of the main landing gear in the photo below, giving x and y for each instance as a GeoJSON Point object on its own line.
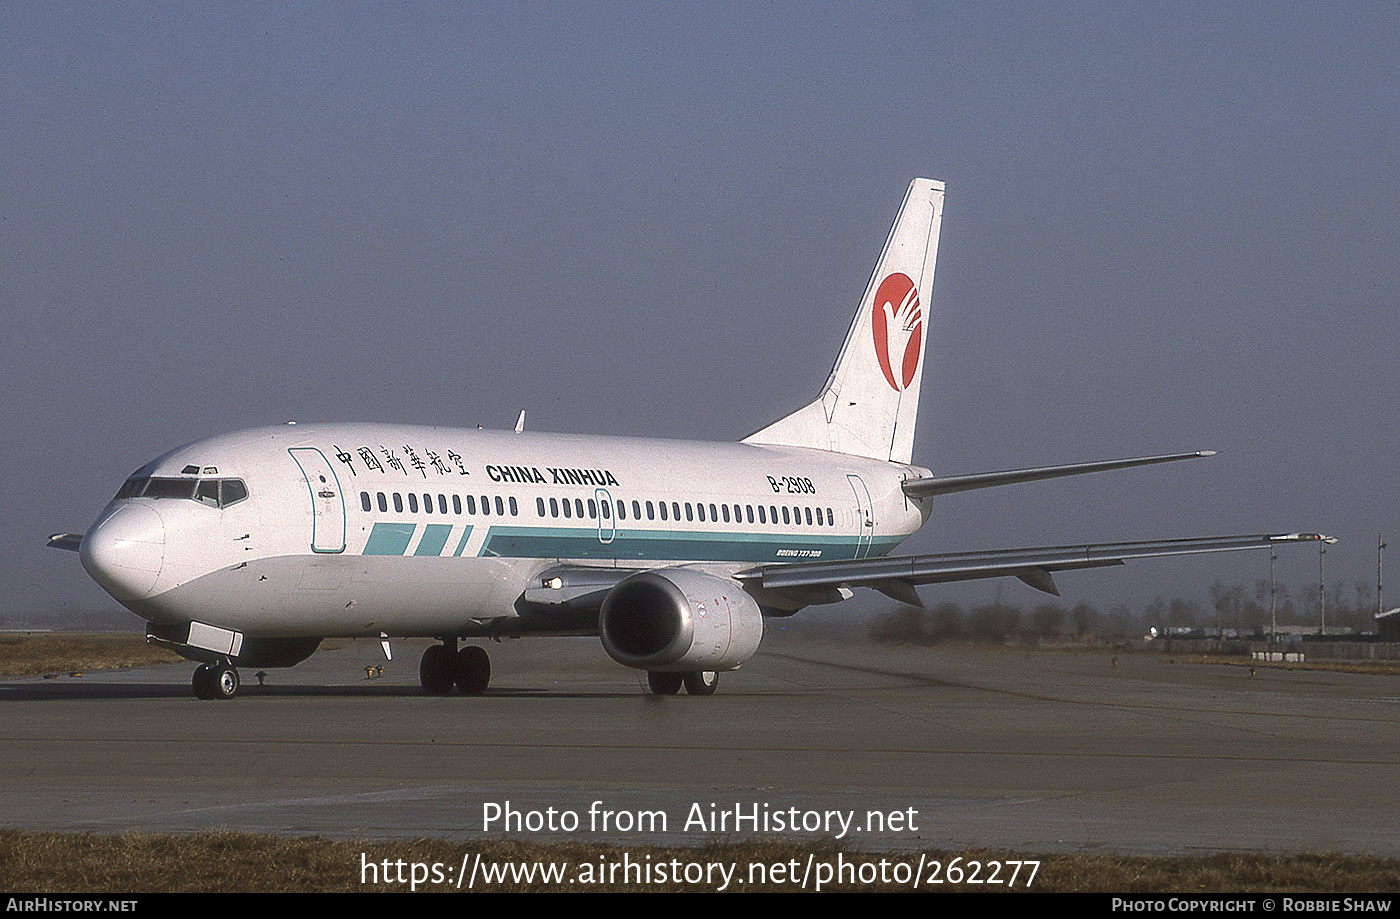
{"type": "Point", "coordinates": [445, 665]}
{"type": "Point", "coordinates": [218, 680]}
{"type": "Point", "coordinates": [696, 682]}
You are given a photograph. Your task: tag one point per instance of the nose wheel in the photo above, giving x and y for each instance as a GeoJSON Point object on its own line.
{"type": "Point", "coordinates": [216, 681]}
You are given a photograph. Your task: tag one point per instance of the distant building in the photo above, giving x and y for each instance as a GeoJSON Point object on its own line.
{"type": "Point", "coordinates": [1388, 624]}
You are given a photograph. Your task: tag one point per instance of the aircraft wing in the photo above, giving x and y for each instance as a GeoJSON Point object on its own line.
{"type": "Point", "coordinates": [929, 486]}
{"type": "Point", "coordinates": [896, 577]}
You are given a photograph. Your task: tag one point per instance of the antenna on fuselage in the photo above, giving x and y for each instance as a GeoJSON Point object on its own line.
{"type": "Point", "coordinates": [520, 422]}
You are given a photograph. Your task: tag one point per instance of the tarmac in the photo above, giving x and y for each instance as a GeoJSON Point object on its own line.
{"type": "Point", "coordinates": [887, 747]}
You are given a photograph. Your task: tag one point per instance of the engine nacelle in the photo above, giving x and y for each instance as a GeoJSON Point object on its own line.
{"type": "Point", "coordinates": [679, 620]}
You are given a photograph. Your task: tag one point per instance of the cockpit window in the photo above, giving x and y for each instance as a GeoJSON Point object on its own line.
{"type": "Point", "coordinates": [169, 488]}
{"type": "Point", "coordinates": [212, 492]}
{"type": "Point", "coordinates": [133, 486]}
{"type": "Point", "coordinates": [207, 492]}
{"type": "Point", "coordinates": [231, 491]}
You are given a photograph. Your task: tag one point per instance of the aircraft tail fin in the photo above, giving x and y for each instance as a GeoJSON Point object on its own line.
{"type": "Point", "coordinates": [870, 404]}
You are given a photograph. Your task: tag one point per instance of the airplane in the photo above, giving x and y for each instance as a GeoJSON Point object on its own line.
{"type": "Point", "coordinates": [248, 549]}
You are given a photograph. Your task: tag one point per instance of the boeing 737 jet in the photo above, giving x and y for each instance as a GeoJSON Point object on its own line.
{"type": "Point", "coordinates": [249, 549]}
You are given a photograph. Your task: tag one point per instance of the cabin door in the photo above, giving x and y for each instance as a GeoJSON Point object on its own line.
{"type": "Point", "coordinates": [865, 516]}
{"type": "Point", "coordinates": [327, 503]}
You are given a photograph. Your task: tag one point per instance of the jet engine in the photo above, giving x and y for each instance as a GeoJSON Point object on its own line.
{"type": "Point", "coordinates": [679, 620]}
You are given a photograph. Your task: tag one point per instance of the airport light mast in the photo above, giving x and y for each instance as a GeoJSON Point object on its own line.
{"type": "Point", "coordinates": [1273, 604]}
{"type": "Point", "coordinates": [1380, 556]}
{"type": "Point", "coordinates": [1322, 587]}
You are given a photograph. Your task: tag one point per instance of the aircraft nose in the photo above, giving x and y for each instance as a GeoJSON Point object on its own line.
{"type": "Point", "coordinates": [124, 552]}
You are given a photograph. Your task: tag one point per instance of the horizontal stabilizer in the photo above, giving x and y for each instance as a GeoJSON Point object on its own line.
{"type": "Point", "coordinates": [69, 541]}
{"type": "Point", "coordinates": [945, 484]}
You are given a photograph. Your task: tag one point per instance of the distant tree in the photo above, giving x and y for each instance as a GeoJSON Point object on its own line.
{"type": "Point", "coordinates": [1048, 619]}
{"type": "Point", "coordinates": [903, 626]}
{"type": "Point", "coordinates": [1154, 614]}
{"type": "Point", "coordinates": [994, 622]}
{"type": "Point", "coordinates": [1184, 614]}
{"type": "Point", "coordinates": [1083, 619]}
{"type": "Point", "coordinates": [1121, 623]}
{"type": "Point", "coordinates": [946, 622]}
{"type": "Point", "coordinates": [1229, 604]}
{"type": "Point", "coordinates": [1363, 614]}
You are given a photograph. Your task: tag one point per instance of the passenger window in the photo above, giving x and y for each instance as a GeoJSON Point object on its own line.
{"type": "Point", "coordinates": [554, 507]}
{"type": "Point", "coordinates": [606, 509]}
{"type": "Point", "coordinates": [592, 509]}
{"type": "Point", "coordinates": [714, 515]}
{"type": "Point", "coordinates": [724, 508]}
{"type": "Point", "coordinates": [773, 514]}
{"type": "Point", "coordinates": [383, 502]}
{"type": "Point", "coordinates": [819, 517]}
{"type": "Point", "coordinates": [650, 515]}
{"type": "Point", "coordinates": [786, 518]}
{"type": "Point", "coordinates": [539, 506]}
{"type": "Point", "coordinates": [514, 508]}
{"type": "Point", "coordinates": [485, 505]}
{"type": "Point", "coordinates": [398, 503]}
{"type": "Point", "coordinates": [688, 515]}
{"type": "Point", "coordinates": [364, 501]}
{"type": "Point", "coordinates": [412, 503]}
{"type": "Point", "coordinates": [636, 511]}
{"type": "Point", "coordinates": [457, 505]}
{"type": "Point", "coordinates": [663, 508]}
{"type": "Point", "coordinates": [578, 507]}
{"type": "Point", "coordinates": [568, 509]}
{"type": "Point", "coordinates": [500, 508]}
{"type": "Point", "coordinates": [749, 508]}
{"type": "Point", "coordinates": [809, 515]}
{"type": "Point", "coordinates": [442, 504]}
{"type": "Point", "coordinates": [762, 515]}
{"type": "Point", "coordinates": [471, 505]}
{"type": "Point", "coordinates": [621, 509]}
{"type": "Point", "coordinates": [428, 504]}
{"type": "Point", "coordinates": [829, 521]}
{"type": "Point", "coordinates": [676, 509]}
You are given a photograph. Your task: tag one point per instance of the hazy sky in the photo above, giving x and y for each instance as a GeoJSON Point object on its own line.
{"type": "Point", "coordinates": [1167, 228]}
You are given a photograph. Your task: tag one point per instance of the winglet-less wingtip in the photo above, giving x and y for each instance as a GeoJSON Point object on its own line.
{"type": "Point", "coordinates": [1305, 537]}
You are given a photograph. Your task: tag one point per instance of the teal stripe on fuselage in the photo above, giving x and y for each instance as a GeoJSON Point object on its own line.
{"type": "Point", "coordinates": [389, 539]}
{"type": "Point", "coordinates": [466, 534]}
{"type": "Point", "coordinates": [434, 538]}
{"type": "Point", "coordinates": [554, 542]}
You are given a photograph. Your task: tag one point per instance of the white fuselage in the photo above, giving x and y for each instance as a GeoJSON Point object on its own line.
{"type": "Point", "coordinates": [358, 529]}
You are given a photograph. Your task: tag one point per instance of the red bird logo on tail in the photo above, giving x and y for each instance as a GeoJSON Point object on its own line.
{"type": "Point", "coordinates": [897, 322]}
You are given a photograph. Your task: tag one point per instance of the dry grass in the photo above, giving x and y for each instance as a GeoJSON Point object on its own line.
{"type": "Point", "coordinates": [32, 654]}
{"type": "Point", "coordinates": [1377, 668]}
{"type": "Point", "coordinates": [241, 862]}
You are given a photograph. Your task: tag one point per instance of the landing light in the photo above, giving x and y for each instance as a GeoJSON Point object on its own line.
{"type": "Point", "coordinates": [554, 583]}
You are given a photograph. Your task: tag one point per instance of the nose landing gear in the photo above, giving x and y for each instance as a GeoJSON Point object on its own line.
{"type": "Point", "coordinates": [218, 680]}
